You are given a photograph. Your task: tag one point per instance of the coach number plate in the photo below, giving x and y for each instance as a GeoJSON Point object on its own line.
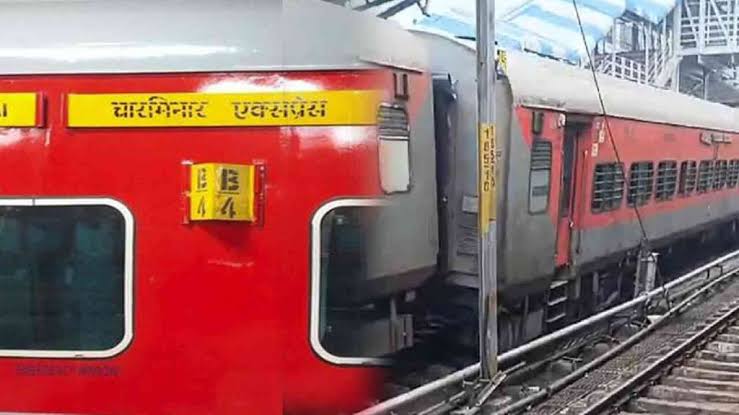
{"type": "Point", "coordinates": [222, 192]}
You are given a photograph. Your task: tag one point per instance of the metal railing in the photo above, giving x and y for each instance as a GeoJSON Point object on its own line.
{"type": "Point", "coordinates": [709, 26]}
{"type": "Point", "coordinates": [727, 264]}
{"type": "Point", "coordinates": [654, 68]}
{"type": "Point", "coordinates": [622, 67]}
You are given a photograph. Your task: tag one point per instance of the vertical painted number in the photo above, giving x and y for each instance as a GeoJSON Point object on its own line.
{"type": "Point", "coordinates": [230, 180]}
{"type": "Point", "coordinates": [228, 208]}
{"type": "Point", "coordinates": [202, 179]}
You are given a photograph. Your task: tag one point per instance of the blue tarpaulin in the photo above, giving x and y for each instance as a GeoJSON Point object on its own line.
{"type": "Point", "coordinates": [548, 27]}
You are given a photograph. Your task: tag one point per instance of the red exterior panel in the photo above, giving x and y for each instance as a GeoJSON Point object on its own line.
{"type": "Point", "coordinates": [220, 309]}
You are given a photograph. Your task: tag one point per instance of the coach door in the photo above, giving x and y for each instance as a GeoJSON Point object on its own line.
{"type": "Point", "coordinates": [567, 194]}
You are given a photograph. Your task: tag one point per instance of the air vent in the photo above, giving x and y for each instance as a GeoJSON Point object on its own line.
{"type": "Point", "coordinates": [541, 155]}
{"type": "Point", "coordinates": [394, 148]}
{"type": "Point", "coordinates": [392, 123]}
{"type": "Point", "coordinates": [540, 176]}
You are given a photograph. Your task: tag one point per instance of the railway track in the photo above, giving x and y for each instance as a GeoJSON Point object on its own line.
{"type": "Point", "coordinates": [698, 376]}
{"type": "Point", "coordinates": [607, 382]}
{"type": "Point", "coordinates": [455, 393]}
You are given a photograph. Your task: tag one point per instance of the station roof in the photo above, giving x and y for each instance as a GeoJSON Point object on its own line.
{"type": "Point", "coordinates": [548, 27]}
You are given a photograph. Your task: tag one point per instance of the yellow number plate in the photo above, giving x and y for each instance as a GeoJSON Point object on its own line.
{"type": "Point", "coordinates": [222, 192]}
{"type": "Point", "coordinates": [223, 110]}
{"type": "Point", "coordinates": [18, 109]}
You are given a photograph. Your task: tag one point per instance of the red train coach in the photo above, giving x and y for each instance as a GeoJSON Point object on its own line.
{"type": "Point", "coordinates": [164, 163]}
{"type": "Point", "coordinates": [570, 237]}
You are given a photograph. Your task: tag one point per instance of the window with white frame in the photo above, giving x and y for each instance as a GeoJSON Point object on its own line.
{"type": "Point", "coordinates": [66, 277]}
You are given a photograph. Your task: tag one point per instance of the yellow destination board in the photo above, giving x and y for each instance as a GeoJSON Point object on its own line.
{"type": "Point", "coordinates": [222, 192]}
{"type": "Point", "coordinates": [224, 109]}
{"type": "Point", "coordinates": [18, 109]}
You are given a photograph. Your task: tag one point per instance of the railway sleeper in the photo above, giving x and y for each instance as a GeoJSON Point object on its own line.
{"type": "Point", "coordinates": [701, 384]}
{"type": "Point", "coordinates": [722, 357]}
{"type": "Point", "coordinates": [714, 365]}
{"type": "Point", "coordinates": [705, 384]}
{"type": "Point", "coordinates": [728, 338]}
{"type": "Point", "coordinates": [722, 347]}
{"type": "Point", "coordinates": [672, 393]}
{"type": "Point", "coordinates": [650, 405]}
{"type": "Point", "coordinates": [707, 374]}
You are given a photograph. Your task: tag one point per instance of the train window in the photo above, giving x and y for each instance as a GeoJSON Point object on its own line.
{"type": "Point", "coordinates": [608, 187]}
{"type": "Point", "coordinates": [65, 285]}
{"type": "Point", "coordinates": [641, 183]}
{"type": "Point", "coordinates": [688, 177]}
{"type": "Point", "coordinates": [666, 180]}
{"type": "Point", "coordinates": [350, 321]}
{"type": "Point", "coordinates": [540, 176]}
{"type": "Point", "coordinates": [733, 177]}
{"type": "Point", "coordinates": [394, 149]}
{"type": "Point", "coordinates": [705, 176]}
{"type": "Point", "coordinates": [720, 175]}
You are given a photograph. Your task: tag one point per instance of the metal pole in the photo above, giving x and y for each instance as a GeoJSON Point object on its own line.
{"type": "Point", "coordinates": [676, 43]}
{"type": "Point", "coordinates": [487, 199]}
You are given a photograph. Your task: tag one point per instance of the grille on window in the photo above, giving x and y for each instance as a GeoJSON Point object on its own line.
{"type": "Point", "coordinates": [720, 175]}
{"type": "Point", "coordinates": [688, 177]}
{"type": "Point", "coordinates": [539, 176]}
{"type": "Point", "coordinates": [392, 123]}
{"type": "Point", "coordinates": [608, 187]}
{"type": "Point", "coordinates": [705, 176]}
{"type": "Point", "coordinates": [733, 177]}
{"type": "Point", "coordinates": [541, 155]}
{"type": "Point", "coordinates": [666, 180]}
{"type": "Point", "coordinates": [641, 182]}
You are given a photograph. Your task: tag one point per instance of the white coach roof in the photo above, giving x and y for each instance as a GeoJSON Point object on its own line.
{"type": "Point", "coordinates": [540, 82]}
{"type": "Point", "coordinates": [546, 83]}
{"type": "Point", "coordinates": [125, 36]}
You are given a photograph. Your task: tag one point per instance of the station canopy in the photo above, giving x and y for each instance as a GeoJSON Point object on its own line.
{"type": "Point", "coordinates": [547, 27]}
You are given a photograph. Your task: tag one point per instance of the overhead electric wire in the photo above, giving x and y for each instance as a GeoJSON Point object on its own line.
{"type": "Point", "coordinates": [645, 237]}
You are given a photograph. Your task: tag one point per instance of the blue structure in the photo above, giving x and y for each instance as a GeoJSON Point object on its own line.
{"type": "Point", "coordinates": [547, 27]}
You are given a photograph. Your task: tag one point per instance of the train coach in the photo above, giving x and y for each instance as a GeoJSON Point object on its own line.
{"type": "Point", "coordinates": [585, 197]}
{"type": "Point", "coordinates": [251, 207]}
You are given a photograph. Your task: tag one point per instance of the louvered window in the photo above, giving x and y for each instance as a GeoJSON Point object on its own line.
{"type": "Point", "coordinates": [608, 187]}
{"type": "Point", "coordinates": [394, 148]}
{"type": "Point", "coordinates": [720, 175]}
{"type": "Point", "coordinates": [733, 175]}
{"type": "Point", "coordinates": [666, 180]}
{"type": "Point", "coordinates": [539, 176]}
{"type": "Point", "coordinates": [705, 176]}
{"type": "Point", "coordinates": [641, 183]}
{"type": "Point", "coordinates": [688, 177]}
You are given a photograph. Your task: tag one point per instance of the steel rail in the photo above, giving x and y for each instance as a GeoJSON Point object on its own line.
{"type": "Point", "coordinates": [473, 370]}
{"type": "Point", "coordinates": [661, 363]}
{"type": "Point", "coordinates": [602, 359]}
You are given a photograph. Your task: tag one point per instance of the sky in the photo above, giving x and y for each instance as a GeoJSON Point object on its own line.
{"type": "Point", "coordinates": [548, 27]}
